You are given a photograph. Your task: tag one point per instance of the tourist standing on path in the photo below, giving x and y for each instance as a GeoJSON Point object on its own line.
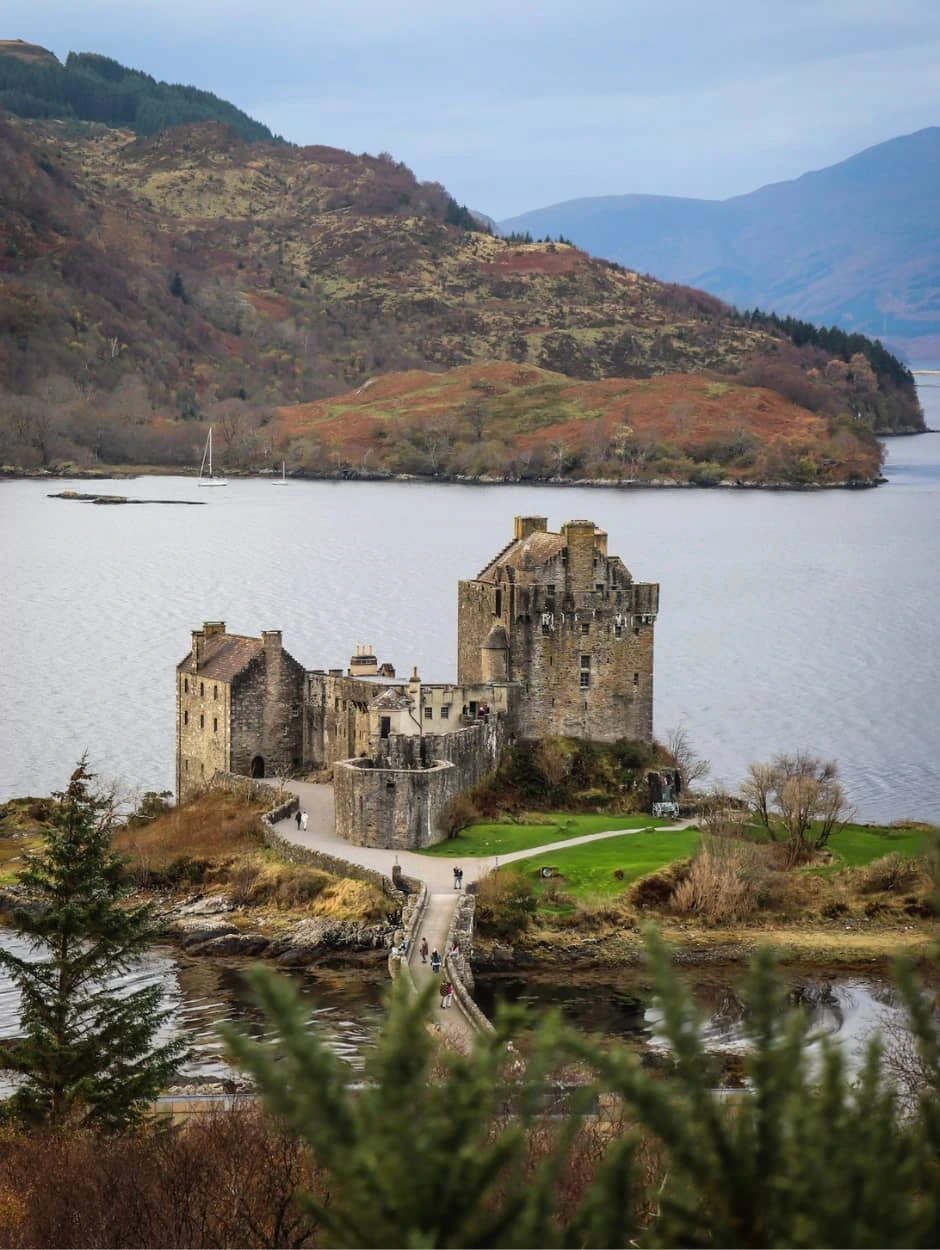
{"type": "Point", "coordinates": [435, 961]}
{"type": "Point", "coordinates": [303, 822]}
{"type": "Point", "coordinates": [459, 878]}
{"type": "Point", "coordinates": [424, 950]}
{"type": "Point", "coordinates": [298, 818]}
{"type": "Point", "coordinates": [446, 992]}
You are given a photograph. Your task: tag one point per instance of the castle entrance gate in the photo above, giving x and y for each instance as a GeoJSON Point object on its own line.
{"type": "Point", "coordinates": [257, 766]}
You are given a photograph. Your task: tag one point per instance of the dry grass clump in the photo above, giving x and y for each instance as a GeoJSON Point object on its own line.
{"type": "Point", "coordinates": [891, 874]}
{"type": "Point", "coordinates": [214, 828]}
{"type": "Point", "coordinates": [728, 881]}
{"type": "Point", "coordinates": [348, 899]}
{"type": "Point", "coordinates": [255, 882]}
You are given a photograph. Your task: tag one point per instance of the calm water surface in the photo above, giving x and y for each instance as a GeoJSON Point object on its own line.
{"type": "Point", "coordinates": [787, 620]}
{"type": "Point", "coordinates": [345, 1008]}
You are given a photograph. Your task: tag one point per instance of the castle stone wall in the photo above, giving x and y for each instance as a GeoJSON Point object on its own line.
{"type": "Point", "coordinates": [267, 715]}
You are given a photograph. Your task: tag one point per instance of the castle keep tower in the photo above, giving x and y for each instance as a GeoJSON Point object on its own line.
{"type": "Point", "coordinates": [239, 708]}
{"type": "Point", "coordinates": [558, 615]}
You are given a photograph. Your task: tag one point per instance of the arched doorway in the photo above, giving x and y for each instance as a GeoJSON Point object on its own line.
{"type": "Point", "coordinates": [257, 766]}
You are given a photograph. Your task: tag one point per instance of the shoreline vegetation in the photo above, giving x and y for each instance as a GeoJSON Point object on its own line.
{"type": "Point", "coordinates": [122, 473]}
{"type": "Point", "coordinates": [222, 893]}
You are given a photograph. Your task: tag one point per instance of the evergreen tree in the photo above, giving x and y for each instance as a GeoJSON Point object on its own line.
{"type": "Point", "coordinates": [431, 1149]}
{"type": "Point", "coordinates": [87, 1054]}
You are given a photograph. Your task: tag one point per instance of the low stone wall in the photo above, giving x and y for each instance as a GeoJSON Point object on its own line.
{"type": "Point", "coordinates": [458, 967]}
{"type": "Point", "coordinates": [319, 859]}
{"type": "Point", "coordinates": [248, 788]}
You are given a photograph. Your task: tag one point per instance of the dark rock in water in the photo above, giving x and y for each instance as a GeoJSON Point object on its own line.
{"type": "Point", "coordinates": [232, 944]}
{"type": "Point", "coordinates": [115, 499]}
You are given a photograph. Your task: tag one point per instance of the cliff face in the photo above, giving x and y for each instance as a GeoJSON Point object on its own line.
{"type": "Point", "coordinates": [147, 283]}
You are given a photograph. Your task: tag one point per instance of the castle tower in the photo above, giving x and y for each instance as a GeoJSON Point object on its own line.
{"type": "Point", "coordinates": [566, 621]}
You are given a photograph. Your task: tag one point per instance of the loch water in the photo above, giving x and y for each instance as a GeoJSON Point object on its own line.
{"type": "Point", "coordinates": [788, 619]}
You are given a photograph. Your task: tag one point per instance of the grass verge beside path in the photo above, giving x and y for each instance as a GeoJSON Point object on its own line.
{"type": "Point", "coordinates": [606, 868]}
{"type": "Point", "coordinates": [487, 840]}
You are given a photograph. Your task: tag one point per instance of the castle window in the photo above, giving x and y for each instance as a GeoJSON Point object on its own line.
{"type": "Point", "coordinates": [185, 685]}
{"type": "Point", "coordinates": [185, 718]}
{"type": "Point", "coordinates": [429, 713]}
{"type": "Point", "coordinates": [445, 711]}
{"type": "Point", "coordinates": [215, 724]}
{"type": "Point", "coordinates": [185, 766]}
{"type": "Point", "coordinates": [585, 661]}
{"type": "Point", "coordinates": [585, 680]}
{"type": "Point", "coordinates": [619, 597]}
{"type": "Point", "coordinates": [499, 603]}
{"type": "Point", "coordinates": [599, 587]}
{"type": "Point", "coordinates": [215, 692]}
{"type": "Point", "coordinates": [550, 588]}
{"type": "Point", "coordinates": [618, 631]}
{"type": "Point", "coordinates": [636, 679]}
{"type": "Point", "coordinates": [202, 721]}
{"type": "Point", "coordinates": [202, 770]}
{"type": "Point", "coordinates": [385, 726]}
{"type": "Point", "coordinates": [585, 627]}
{"type": "Point", "coordinates": [202, 688]}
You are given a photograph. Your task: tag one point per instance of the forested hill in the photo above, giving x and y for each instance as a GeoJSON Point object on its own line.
{"type": "Point", "coordinates": [88, 87]}
{"type": "Point", "coordinates": [151, 284]}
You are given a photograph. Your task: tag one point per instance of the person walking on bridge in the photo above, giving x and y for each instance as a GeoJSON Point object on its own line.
{"type": "Point", "coordinates": [435, 961]}
{"type": "Point", "coordinates": [424, 950]}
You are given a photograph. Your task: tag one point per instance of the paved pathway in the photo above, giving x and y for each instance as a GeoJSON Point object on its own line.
{"type": "Point", "coordinates": [438, 874]}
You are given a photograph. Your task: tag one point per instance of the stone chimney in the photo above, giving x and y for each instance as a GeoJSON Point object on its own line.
{"type": "Point", "coordinates": [526, 525]}
{"type": "Point", "coordinates": [211, 628]}
{"type": "Point", "coordinates": [579, 537]}
{"type": "Point", "coordinates": [199, 648]}
{"type": "Point", "coordinates": [271, 640]}
{"type": "Point", "coordinates": [363, 662]}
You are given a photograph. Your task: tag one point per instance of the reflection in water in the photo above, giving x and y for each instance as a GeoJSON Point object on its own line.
{"type": "Point", "coordinates": [345, 1008]}
{"type": "Point", "coordinates": [622, 1006]}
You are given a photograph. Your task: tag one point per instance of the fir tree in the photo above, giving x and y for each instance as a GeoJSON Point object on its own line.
{"type": "Point", "coordinates": [86, 1053]}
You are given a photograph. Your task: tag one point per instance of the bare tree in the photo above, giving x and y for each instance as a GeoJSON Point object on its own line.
{"type": "Point", "coordinates": [799, 800]}
{"type": "Point", "coordinates": [692, 767]}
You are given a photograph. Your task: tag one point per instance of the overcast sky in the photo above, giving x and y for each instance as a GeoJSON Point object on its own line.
{"type": "Point", "coordinates": [516, 104]}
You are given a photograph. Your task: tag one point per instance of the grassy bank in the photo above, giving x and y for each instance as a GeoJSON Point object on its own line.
{"type": "Point", "coordinates": [504, 838]}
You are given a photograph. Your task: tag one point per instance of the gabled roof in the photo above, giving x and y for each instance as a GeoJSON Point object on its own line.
{"type": "Point", "coordinates": [390, 700]}
{"type": "Point", "coordinates": [526, 553]}
{"type": "Point", "coordinates": [224, 656]}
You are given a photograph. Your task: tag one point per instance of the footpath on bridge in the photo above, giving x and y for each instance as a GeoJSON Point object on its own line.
{"type": "Point", "coordinates": [437, 874]}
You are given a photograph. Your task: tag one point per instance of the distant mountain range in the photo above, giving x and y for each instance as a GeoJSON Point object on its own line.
{"type": "Point", "coordinates": [855, 245]}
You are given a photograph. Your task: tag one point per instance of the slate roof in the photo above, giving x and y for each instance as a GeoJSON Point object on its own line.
{"type": "Point", "coordinates": [525, 553]}
{"type": "Point", "coordinates": [224, 657]}
{"type": "Point", "coordinates": [390, 700]}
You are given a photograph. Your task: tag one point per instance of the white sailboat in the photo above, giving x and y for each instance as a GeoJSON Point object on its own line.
{"type": "Point", "coordinates": [282, 480]}
{"type": "Point", "coordinates": [206, 476]}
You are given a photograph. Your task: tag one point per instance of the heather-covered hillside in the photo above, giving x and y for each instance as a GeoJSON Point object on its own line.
{"type": "Point", "coordinates": [149, 285]}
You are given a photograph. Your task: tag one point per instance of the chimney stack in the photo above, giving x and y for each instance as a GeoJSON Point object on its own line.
{"type": "Point", "coordinates": [526, 525]}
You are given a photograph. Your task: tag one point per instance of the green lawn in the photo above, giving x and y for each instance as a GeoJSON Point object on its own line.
{"type": "Point", "coordinates": [856, 845]}
{"type": "Point", "coordinates": [484, 840]}
{"type": "Point", "coordinates": [589, 870]}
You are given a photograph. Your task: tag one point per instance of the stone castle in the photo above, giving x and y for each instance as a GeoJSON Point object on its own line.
{"type": "Point", "coordinates": [554, 638]}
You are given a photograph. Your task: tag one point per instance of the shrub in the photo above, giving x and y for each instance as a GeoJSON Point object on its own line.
{"type": "Point", "coordinates": [506, 903]}
{"type": "Point", "coordinates": [726, 882]}
{"type": "Point", "coordinates": [894, 873]}
{"type": "Point", "coordinates": [656, 888]}
{"type": "Point", "coordinates": [458, 814]}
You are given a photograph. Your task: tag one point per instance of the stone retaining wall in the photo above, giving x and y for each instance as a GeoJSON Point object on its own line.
{"type": "Point", "coordinates": [458, 969]}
